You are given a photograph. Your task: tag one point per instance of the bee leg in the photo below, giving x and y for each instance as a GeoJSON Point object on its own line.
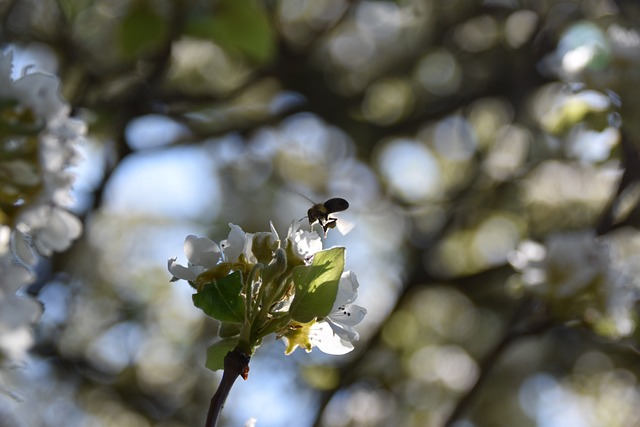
{"type": "Point", "coordinates": [330, 223]}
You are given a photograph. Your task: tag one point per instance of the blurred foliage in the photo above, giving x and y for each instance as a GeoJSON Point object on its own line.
{"type": "Point", "coordinates": [455, 129]}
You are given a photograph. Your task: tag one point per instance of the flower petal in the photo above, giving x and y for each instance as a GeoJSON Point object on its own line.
{"type": "Point", "coordinates": [345, 332]}
{"type": "Point", "coordinates": [22, 248]}
{"type": "Point", "coordinates": [347, 290]}
{"type": "Point", "coordinates": [274, 232]}
{"type": "Point", "coordinates": [322, 336]}
{"type": "Point", "coordinates": [234, 244]}
{"type": "Point", "coordinates": [304, 243]}
{"type": "Point", "coordinates": [201, 251]}
{"type": "Point", "coordinates": [181, 272]}
{"type": "Point", "coordinates": [349, 315]}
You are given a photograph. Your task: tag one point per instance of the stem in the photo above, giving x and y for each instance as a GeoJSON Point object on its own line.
{"type": "Point", "coordinates": [236, 364]}
{"type": "Point", "coordinates": [259, 317]}
{"type": "Point", "coordinates": [248, 290]}
{"type": "Point", "coordinates": [282, 287]}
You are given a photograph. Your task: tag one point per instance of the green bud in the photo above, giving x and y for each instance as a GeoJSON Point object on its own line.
{"type": "Point", "coordinates": [277, 266]}
{"type": "Point", "coordinates": [263, 246]}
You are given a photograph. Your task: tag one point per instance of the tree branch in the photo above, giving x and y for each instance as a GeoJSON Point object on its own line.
{"type": "Point", "coordinates": [236, 364]}
{"type": "Point", "coordinates": [515, 332]}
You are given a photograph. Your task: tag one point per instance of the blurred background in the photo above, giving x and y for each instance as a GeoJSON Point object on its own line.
{"type": "Point", "coordinates": [455, 129]}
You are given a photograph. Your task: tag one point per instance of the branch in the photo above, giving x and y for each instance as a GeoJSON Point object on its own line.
{"type": "Point", "coordinates": [630, 157]}
{"type": "Point", "coordinates": [515, 332]}
{"type": "Point", "coordinates": [236, 364]}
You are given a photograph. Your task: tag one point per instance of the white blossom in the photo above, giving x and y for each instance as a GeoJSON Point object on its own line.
{"type": "Point", "coordinates": [304, 243]}
{"type": "Point", "coordinates": [332, 334]}
{"type": "Point", "coordinates": [14, 274]}
{"type": "Point", "coordinates": [567, 264]}
{"type": "Point", "coordinates": [576, 273]}
{"type": "Point", "coordinates": [42, 216]}
{"type": "Point", "coordinates": [16, 313]}
{"type": "Point", "coordinates": [237, 243]}
{"type": "Point", "coordinates": [336, 332]}
{"type": "Point", "coordinates": [50, 228]}
{"type": "Point", "coordinates": [202, 253]}
{"type": "Point", "coordinates": [321, 335]}
{"type": "Point", "coordinates": [241, 243]}
{"type": "Point", "coordinates": [37, 145]}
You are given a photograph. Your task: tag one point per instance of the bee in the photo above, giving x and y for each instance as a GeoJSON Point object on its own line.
{"type": "Point", "coordinates": [321, 212]}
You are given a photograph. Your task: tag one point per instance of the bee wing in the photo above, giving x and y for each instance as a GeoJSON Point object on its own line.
{"type": "Point", "coordinates": [344, 226]}
{"type": "Point", "coordinates": [335, 205]}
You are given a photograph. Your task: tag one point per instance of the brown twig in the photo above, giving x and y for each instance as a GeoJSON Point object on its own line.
{"type": "Point", "coordinates": [236, 364]}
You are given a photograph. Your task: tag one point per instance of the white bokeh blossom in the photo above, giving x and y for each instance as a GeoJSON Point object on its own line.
{"type": "Point", "coordinates": [17, 313]}
{"type": "Point", "coordinates": [577, 275]}
{"type": "Point", "coordinates": [38, 140]}
{"type": "Point", "coordinates": [567, 264]}
{"type": "Point", "coordinates": [37, 122]}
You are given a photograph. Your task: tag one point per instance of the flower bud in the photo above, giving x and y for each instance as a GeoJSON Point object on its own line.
{"type": "Point", "coordinates": [276, 267]}
{"type": "Point", "coordinates": [263, 245]}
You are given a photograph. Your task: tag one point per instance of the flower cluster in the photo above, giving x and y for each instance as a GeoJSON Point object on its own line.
{"type": "Point", "coordinates": [258, 284]}
{"type": "Point", "coordinates": [576, 275]}
{"type": "Point", "coordinates": [37, 144]}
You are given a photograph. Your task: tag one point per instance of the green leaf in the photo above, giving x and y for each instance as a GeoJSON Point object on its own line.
{"type": "Point", "coordinates": [217, 352]}
{"type": "Point", "coordinates": [228, 330]}
{"type": "Point", "coordinates": [221, 299]}
{"type": "Point", "coordinates": [239, 26]}
{"type": "Point", "coordinates": [317, 285]}
{"type": "Point", "coordinates": [141, 30]}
